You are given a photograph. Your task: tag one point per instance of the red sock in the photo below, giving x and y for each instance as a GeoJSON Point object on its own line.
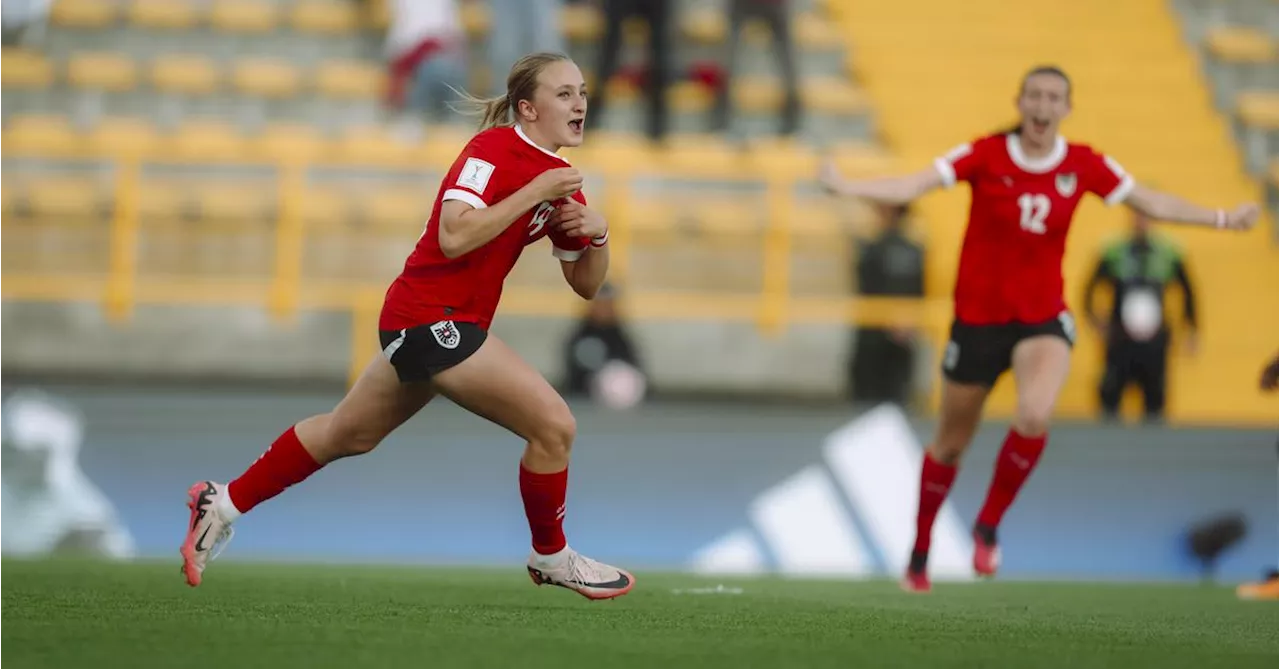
{"type": "Point", "coordinates": [543, 496]}
{"type": "Point", "coordinates": [1017, 459]}
{"type": "Point", "coordinates": [283, 465]}
{"type": "Point", "coordinates": [935, 482]}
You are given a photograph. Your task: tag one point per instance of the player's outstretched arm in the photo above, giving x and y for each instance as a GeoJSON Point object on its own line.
{"type": "Point", "coordinates": [888, 190]}
{"type": "Point", "coordinates": [1166, 207]}
{"type": "Point", "coordinates": [463, 228]}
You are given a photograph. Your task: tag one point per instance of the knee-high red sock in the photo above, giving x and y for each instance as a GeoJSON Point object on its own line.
{"type": "Point", "coordinates": [283, 465]}
{"type": "Point", "coordinates": [1018, 457]}
{"type": "Point", "coordinates": [935, 482]}
{"type": "Point", "coordinates": [543, 496]}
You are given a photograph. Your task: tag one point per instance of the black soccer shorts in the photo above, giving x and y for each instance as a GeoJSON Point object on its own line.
{"type": "Point", "coordinates": [419, 353]}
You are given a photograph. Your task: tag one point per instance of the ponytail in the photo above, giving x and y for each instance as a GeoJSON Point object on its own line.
{"type": "Point", "coordinates": [493, 112]}
{"type": "Point", "coordinates": [500, 111]}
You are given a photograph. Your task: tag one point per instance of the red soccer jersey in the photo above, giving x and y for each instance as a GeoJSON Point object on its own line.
{"type": "Point", "coordinates": [1011, 261]}
{"type": "Point", "coordinates": [432, 287]}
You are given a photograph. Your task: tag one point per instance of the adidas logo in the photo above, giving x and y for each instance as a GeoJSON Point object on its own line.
{"type": "Point", "coordinates": [851, 515]}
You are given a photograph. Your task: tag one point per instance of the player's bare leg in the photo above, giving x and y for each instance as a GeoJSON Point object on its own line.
{"type": "Point", "coordinates": [376, 405]}
{"type": "Point", "coordinates": [958, 420]}
{"type": "Point", "coordinates": [496, 384]}
{"type": "Point", "coordinates": [1040, 368]}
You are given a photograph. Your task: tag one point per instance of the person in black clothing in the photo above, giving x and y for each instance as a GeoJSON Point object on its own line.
{"type": "Point", "coordinates": [882, 361]}
{"type": "Point", "coordinates": [1140, 270]}
{"type": "Point", "coordinates": [599, 339]}
{"type": "Point", "coordinates": [775, 14]}
{"type": "Point", "coordinates": [658, 14]}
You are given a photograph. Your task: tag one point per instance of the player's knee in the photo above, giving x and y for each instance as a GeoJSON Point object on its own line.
{"type": "Point", "coordinates": [554, 435]}
{"type": "Point", "coordinates": [1032, 420]}
{"type": "Point", "coordinates": [947, 451]}
{"type": "Point", "coordinates": [347, 439]}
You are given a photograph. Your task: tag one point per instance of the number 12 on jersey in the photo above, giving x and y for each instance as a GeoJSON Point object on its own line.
{"type": "Point", "coordinates": [1035, 209]}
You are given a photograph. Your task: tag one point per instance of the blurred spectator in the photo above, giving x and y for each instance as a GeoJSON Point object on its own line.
{"type": "Point", "coordinates": [600, 360]}
{"type": "Point", "coordinates": [1139, 270]}
{"type": "Point", "coordinates": [50, 505]}
{"type": "Point", "coordinates": [882, 362]}
{"type": "Point", "coordinates": [774, 13]}
{"type": "Point", "coordinates": [1269, 586]}
{"type": "Point", "coordinates": [519, 27]}
{"type": "Point", "coordinates": [426, 47]}
{"type": "Point", "coordinates": [658, 14]}
{"type": "Point", "coordinates": [21, 16]}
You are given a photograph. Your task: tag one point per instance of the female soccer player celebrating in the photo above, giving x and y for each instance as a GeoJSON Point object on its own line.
{"type": "Point", "coordinates": [1009, 309]}
{"type": "Point", "coordinates": [506, 190]}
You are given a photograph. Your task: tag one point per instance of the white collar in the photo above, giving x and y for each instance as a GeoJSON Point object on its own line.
{"type": "Point", "coordinates": [530, 142]}
{"type": "Point", "coordinates": [1038, 165]}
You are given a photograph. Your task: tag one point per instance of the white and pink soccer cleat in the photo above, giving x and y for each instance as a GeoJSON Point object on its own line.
{"type": "Point", "coordinates": [587, 577]}
{"type": "Point", "coordinates": [208, 532]}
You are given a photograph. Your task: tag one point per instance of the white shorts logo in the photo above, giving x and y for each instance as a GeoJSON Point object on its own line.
{"type": "Point", "coordinates": [951, 356]}
{"type": "Point", "coordinates": [446, 334]}
{"type": "Point", "coordinates": [475, 175]}
{"type": "Point", "coordinates": [1068, 323]}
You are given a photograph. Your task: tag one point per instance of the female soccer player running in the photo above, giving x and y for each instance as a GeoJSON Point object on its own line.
{"type": "Point", "coordinates": [506, 190]}
{"type": "Point", "coordinates": [1009, 309]}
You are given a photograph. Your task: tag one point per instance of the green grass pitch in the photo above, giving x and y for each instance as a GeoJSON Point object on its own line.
{"type": "Point", "coordinates": [85, 614]}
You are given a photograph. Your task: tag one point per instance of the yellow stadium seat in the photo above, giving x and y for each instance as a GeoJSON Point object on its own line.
{"type": "Point", "coordinates": [827, 95]}
{"type": "Point", "coordinates": [377, 15]}
{"type": "Point", "coordinates": [701, 155]}
{"type": "Point", "coordinates": [1273, 173]}
{"type": "Point", "coordinates": [238, 201]}
{"type": "Point", "coordinates": [102, 71]}
{"type": "Point", "coordinates": [66, 197]}
{"type": "Point", "coordinates": [208, 140]}
{"type": "Point", "coordinates": [1238, 44]}
{"type": "Point", "coordinates": [582, 23]}
{"type": "Point", "coordinates": [690, 97]}
{"type": "Point", "coordinates": [1258, 109]}
{"type": "Point", "coordinates": [757, 95]}
{"type": "Point", "coordinates": [243, 16]}
{"type": "Point", "coordinates": [350, 79]}
{"type": "Point", "coordinates": [781, 156]}
{"type": "Point", "coordinates": [289, 141]}
{"type": "Point", "coordinates": [372, 144]}
{"type": "Point", "coordinates": [40, 135]}
{"type": "Point", "coordinates": [160, 200]}
{"type": "Point", "coordinates": [475, 18]}
{"type": "Point", "coordinates": [163, 14]}
{"type": "Point", "coordinates": [324, 17]}
{"type": "Point", "coordinates": [704, 26]}
{"type": "Point", "coordinates": [859, 159]}
{"type": "Point", "coordinates": [20, 68]}
{"type": "Point", "coordinates": [397, 208]}
{"type": "Point", "coordinates": [83, 13]}
{"type": "Point", "coordinates": [185, 74]}
{"type": "Point", "coordinates": [812, 32]}
{"type": "Point", "coordinates": [266, 78]}
{"type": "Point", "coordinates": [324, 209]}
{"type": "Point", "coordinates": [115, 136]}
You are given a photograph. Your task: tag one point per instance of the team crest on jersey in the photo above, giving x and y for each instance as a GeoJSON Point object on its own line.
{"type": "Point", "coordinates": [446, 334]}
{"type": "Point", "coordinates": [1066, 184]}
{"type": "Point", "coordinates": [540, 217]}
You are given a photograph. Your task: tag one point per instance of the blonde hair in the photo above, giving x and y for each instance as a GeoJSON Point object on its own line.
{"type": "Point", "coordinates": [522, 81]}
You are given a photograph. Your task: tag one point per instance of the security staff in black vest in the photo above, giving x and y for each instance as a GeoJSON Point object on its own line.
{"type": "Point", "coordinates": [1140, 270]}
{"type": "Point", "coordinates": [883, 360]}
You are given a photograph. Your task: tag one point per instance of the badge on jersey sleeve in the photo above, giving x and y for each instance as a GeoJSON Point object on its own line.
{"type": "Point", "coordinates": [475, 174]}
{"type": "Point", "coordinates": [1066, 184]}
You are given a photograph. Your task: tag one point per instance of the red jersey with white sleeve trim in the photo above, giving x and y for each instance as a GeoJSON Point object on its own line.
{"type": "Point", "coordinates": [432, 287]}
{"type": "Point", "coordinates": [1015, 240]}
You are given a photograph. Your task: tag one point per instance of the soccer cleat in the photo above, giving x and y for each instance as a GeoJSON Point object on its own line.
{"type": "Point", "coordinates": [587, 577]}
{"type": "Point", "coordinates": [208, 532]}
{"type": "Point", "coordinates": [917, 577]}
{"type": "Point", "coordinates": [1268, 589]}
{"type": "Point", "coordinates": [986, 551]}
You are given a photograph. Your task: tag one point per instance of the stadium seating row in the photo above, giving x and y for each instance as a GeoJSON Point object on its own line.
{"type": "Point", "coordinates": [581, 22]}
{"type": "Point", "coordinates": [195, 75]}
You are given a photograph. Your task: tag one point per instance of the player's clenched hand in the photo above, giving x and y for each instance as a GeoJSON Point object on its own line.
{"type": "Point", "coordinates": [558, 183]}
{"type": "Point", "coordinates": [1242, 217]}
{"type": "Point", "coordinates": [576, 220]}
{"type": "Point", "coordinates": [1271, 375]}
